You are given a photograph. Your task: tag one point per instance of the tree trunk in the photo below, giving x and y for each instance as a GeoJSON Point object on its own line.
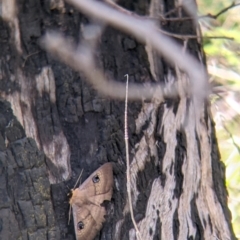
{"type": "Point", "coordinates": [56, 125]}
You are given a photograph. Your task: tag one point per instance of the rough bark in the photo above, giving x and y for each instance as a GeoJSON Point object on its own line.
{"type": "Point", "coordinates": [57, 125]}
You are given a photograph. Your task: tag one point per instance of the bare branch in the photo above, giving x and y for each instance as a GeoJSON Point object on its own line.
{"type": "Point", "coordinates": [178, 36]}
{"type": "Point", "coordinates": [144, 31]}
{"type": "Point", "coordinates": [80, 59]}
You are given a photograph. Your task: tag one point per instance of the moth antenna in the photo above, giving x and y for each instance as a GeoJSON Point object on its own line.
{"type": "Point", "coordinates": [127, 160]}
{"type": "Point", "coordinates": [78, 179]}
{"type": "Point", "coordinates": [69, 214]}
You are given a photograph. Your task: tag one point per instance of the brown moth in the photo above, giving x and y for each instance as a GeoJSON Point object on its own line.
{"type": "Point", "coordinates": [86, 200]}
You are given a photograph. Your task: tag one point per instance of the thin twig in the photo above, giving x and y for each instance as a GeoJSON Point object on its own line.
{"type": "Point", "coordinates": [218, 37]}
{"type": "Point", "coordinates": [175, 19]}
{"type": "Point", "coordinates": [215, 16]}
{"type": "Point", "coordinates": [232, 138]}
{"type": "Point", "coordinates": [186, 37]}
{"type": "Point", "coordinates": [128, 163]}
{"type": "Point", "coordinates": [172, 11]}
{"type": "Point", "coordinates": [222, 11]}
{"type": "Point", "coordinates": [28, 56]}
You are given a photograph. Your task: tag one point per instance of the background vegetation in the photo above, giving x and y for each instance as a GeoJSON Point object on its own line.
{"type": "Point", "coordinates": [223, 60]}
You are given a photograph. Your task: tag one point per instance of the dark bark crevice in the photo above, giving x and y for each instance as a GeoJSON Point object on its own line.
{"type": "Point", "coordinates": [180, 153]}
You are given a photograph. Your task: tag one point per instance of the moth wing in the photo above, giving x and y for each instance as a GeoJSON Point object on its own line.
{"type": "Point", "coordinates": [88, 214]}
{"type": "Point", "coordinates": [86, 227]}
{"type": "Point", "coordinates": [99, 182]}
{"type": "Point", "coordinates": [97, 213]}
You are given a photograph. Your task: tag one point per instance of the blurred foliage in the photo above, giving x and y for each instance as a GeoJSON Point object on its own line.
{"type": "Point", "coordinates": [223, 60]}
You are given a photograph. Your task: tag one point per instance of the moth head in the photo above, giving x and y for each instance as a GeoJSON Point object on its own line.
{"type": "Point", "coordinates": [95, 178]}
{"type": "Point", "coordinates": [80, 225]}
{"type": "Point", "coordinates": [69, 195]}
